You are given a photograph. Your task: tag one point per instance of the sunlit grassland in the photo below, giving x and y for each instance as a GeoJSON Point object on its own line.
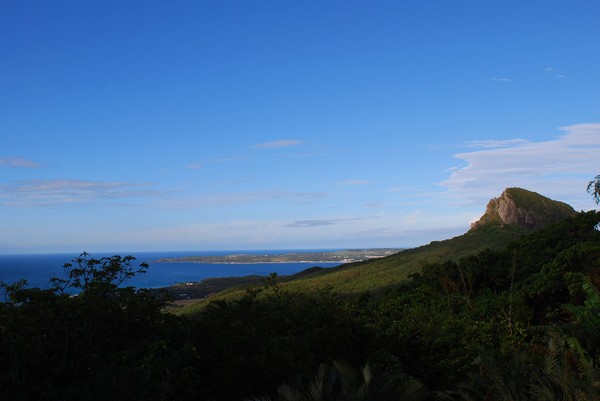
{"type": "Point", "coordinates": [377, 275]}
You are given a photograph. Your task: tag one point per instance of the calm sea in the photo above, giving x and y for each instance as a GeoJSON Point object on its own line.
{"type": "Point", "coordinates": [38, 269]}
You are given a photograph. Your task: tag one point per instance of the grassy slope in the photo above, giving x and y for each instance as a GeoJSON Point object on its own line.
{"type": "Point", "coordinates": [546, 211]}
{"type": "Point", "coordinates": [530, 200]}
{"type": "Point", "coordinates": [380, 274]}
{"type": "Point", "coordinates": [375, 276]}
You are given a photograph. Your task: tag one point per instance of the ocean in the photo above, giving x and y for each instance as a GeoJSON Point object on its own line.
{"type": "Point", "coordinates": [38, 269]}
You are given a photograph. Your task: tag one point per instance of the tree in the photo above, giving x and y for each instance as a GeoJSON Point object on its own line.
{"type": "Point", "coordinates": [56, 345]}
{"type": "Point", "coordinates": [594, 188]}
{"type": "Point", "coordinates": [97, 277]}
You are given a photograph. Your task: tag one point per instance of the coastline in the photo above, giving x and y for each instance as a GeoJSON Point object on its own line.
{"type": "Point", "coordinates": [338, 256]}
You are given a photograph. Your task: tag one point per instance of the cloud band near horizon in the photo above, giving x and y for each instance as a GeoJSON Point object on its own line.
{"type": "Point", "coordinates": [555, 167]}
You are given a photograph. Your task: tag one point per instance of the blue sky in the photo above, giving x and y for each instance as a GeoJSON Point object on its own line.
{"type": "Point", "coordinates": [213, 125]}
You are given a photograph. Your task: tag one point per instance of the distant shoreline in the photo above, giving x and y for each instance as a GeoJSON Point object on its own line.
{"type": "Point", "coordinates": [249, 263]}
{"type": "Point", "coordinates": [343, 256]}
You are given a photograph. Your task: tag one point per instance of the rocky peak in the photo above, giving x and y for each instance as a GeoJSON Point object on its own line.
{"type": "Point", "coordinates": [523, 208]}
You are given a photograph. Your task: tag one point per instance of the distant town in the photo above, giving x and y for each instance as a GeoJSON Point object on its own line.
{"type": "Point", "coordinates": [342, 256]}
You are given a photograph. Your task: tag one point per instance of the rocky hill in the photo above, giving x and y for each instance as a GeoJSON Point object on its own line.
{"type": "Point", "coordinates": [525, 209]}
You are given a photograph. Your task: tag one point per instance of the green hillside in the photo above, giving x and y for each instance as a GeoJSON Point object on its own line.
{"type": "Point", "coordinates": [379, 274]}
{"type": "Point", "coordinates": [529, 200]}
{"type": "Point", "coordinates": [526, 209]}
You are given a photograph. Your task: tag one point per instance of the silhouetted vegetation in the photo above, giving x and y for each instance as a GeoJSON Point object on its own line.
{"type": "Point", "coordinates": [593, 188]}
{"type": "Point", "coordinates": [517, 323]}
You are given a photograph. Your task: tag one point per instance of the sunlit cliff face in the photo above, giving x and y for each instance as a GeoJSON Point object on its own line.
{"type": "Point", "coordinates": [523, 208]}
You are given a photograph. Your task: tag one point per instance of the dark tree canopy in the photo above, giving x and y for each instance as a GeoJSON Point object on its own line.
{"type": "Point", "coordinates": [594, 188]}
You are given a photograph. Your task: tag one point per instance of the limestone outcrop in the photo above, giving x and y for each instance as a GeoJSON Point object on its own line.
{"type": "Point", "coordinates": [525, 209]}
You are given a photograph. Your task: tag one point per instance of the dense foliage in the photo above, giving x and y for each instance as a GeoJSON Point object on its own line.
{"type": "Point", "coordinates": [521, 323]}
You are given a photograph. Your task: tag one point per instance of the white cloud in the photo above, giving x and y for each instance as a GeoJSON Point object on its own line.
{"type": "Point", "coordinates": [501, 79]}
{"type": "Point", "coordinates": [558, 168]}
{"type": "Point", "coordinates": [68, 192]}
{"type": "Point", "coordinates": [18, 162]}
{"type": "Point", "coordinates": [282, 143]}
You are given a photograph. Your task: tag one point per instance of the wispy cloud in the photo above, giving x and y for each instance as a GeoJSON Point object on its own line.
{"type": "Point", "coordinates": [501, 79]}
{"type": "Point", "coordinates": [18, 162]}
{"type": "Point", "coordinates": [282, 143]}
{"type": "Point", "coordinates": [320, 222]}
{"type": "Point", "coordinates": [355, 182]}
{"type": "Point", "coordinates": [495, 144]}
{"type": "Point", "coordinates": [403, 189]}
{"type": "Point", "coordinates": [558, 167]}
{"type": "Point", "coordinates": [216, 160]}
{"type": "Point", "coordinates": [241, 198]}
{"type": "Point", "coordinates": [557, 76]}
{"type": "Point", "coordinates": [69, 192]}
{"type": "Point", "coordinates": [312, 223]}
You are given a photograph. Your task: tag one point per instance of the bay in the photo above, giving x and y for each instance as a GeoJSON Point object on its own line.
{"type": "Point", "coordinates": [38, 269]}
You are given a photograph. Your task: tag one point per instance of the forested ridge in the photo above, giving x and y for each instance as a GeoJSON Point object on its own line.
{"type": "Point", "coordinates": [520, 323]}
